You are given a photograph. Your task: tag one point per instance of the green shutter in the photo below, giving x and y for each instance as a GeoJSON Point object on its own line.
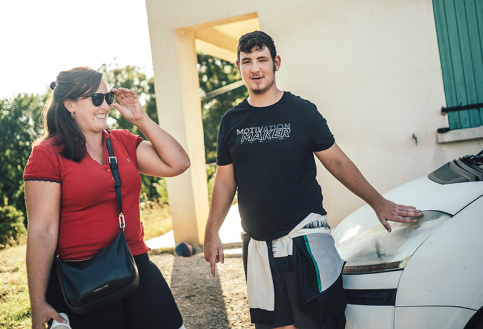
{"type": "Point", "coordinates": [459, 27]}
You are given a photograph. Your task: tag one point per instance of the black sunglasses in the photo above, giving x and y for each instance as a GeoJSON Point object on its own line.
{"type": "Point", "coordinates": [98, 98]}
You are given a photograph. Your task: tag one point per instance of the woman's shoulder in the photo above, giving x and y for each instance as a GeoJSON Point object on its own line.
{"type": "Point", "coordinates": [121, 133]}
{"type": "Point", "coordinates": [117, 132]}
{"type": "Point", "coordinates": [49, 144]}
{"type": "Point", "coordinates": [124, 136]}
{"type": "Point", "coordinates": [45, 161]}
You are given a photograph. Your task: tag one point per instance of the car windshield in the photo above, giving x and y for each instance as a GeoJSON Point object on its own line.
{"type": "Point", "coordinates": [389, 251]}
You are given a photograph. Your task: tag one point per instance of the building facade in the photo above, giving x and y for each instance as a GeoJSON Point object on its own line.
{"type": "Point", "coordinates": [380, 71]}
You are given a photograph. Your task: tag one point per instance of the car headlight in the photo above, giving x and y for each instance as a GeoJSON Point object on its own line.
{"type": "Point", "coordinates": [376, 250]}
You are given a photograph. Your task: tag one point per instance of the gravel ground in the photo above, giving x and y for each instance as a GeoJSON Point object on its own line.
{"type": "Point", "coordinates": [206, 302]}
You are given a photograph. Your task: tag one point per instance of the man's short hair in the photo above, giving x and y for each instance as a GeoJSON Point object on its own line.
{"type": "Point", "coordinates": [258, 40]}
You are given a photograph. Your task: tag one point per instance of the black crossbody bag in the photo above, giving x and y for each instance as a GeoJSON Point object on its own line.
{"type": "Point", "coordinates": [106, 277]}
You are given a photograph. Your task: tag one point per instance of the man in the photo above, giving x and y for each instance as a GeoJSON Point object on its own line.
{"type": "Point", "coordinates": [266, 147]}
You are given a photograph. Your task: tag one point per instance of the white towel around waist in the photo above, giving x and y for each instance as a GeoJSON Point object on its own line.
{"type": "Point", "coordinates": [260, 288]}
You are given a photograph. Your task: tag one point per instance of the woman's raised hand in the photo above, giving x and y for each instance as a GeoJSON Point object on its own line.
{"type": "Point", "coordinates": [129, 106]}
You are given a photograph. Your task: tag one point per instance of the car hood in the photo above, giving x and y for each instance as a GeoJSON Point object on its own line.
{"type": "Point", "coordinates": [421, 193]}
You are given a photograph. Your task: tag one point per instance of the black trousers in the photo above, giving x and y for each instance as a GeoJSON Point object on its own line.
{"type": "Point", "coordinates": [151, 306]}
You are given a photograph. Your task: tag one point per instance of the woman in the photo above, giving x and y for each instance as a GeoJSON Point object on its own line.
{"type": "Point", "coordinates": [71, 200]}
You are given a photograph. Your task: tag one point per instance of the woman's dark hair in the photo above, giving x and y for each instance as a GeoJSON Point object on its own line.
{"type": "Point", "coordinates": [58, 122]}
{"type": "Point", "coordinates": [258, 40]}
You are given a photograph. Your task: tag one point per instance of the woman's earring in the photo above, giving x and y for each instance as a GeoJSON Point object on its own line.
{"type": "Point", "coordinates": [72, 114]}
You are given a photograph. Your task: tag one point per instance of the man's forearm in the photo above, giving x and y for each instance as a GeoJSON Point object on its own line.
{"type": "Point", "coordinates": [350, 176]}
{"type": "Point", "coordinates": [346, 172]}
{"type": "Point", "coordinates": [221, 199]}
{"type": "Point", "coordinates": [342, 168]}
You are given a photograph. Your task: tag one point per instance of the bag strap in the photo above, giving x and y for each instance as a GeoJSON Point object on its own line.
{"type": "Point", "coordinates": [117, 181]}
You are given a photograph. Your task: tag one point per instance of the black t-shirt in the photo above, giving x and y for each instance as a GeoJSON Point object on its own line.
{"type": "Point", "coordinates": [271, 149]}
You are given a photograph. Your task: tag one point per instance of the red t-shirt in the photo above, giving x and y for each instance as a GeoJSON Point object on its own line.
{"type": "Point", "coordinates": [88, 210]}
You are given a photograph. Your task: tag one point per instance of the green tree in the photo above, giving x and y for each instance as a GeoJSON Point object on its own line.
{"type": "Point", "coordinates": [215, 73]}
{"type": "Point", "coordinates": [12, 225]}
{"type": "Point", "coordinates": [20, 122]}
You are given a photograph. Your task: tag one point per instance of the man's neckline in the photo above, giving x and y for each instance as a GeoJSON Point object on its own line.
{"type": "Point", "coordinates": [268, 105]}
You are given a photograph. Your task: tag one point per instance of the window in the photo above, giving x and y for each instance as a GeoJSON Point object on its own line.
{"type": "Point", "coordinates": [459, 26]}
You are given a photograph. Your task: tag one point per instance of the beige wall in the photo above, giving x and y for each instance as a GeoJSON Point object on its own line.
{"type": "Point", "coordinates": [372, 68]}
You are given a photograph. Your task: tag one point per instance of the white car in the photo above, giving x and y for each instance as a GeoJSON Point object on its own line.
{"type": "Point", "coordinates": [423, 275]}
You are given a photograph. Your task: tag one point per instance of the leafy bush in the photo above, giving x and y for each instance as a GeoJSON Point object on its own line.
{"type": "Point", "coordinates": [155, 218]}
{"type": "Point", "coordinates": [11, 226]}
{"type": "Point", "coordinates": [162, 191]}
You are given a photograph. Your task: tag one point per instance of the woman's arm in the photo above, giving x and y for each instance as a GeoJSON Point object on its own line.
{"type": "Point", "coordinates": [162, 156]}
{"type": "Point", "coordinates": [43, 208]}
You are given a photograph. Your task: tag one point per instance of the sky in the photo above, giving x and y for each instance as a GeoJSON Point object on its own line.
{"type": "Point", "coordinates": [38, 39]}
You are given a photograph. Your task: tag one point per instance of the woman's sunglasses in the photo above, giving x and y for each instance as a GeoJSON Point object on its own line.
{"type": "Point", "coordinates": [98, 98]}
